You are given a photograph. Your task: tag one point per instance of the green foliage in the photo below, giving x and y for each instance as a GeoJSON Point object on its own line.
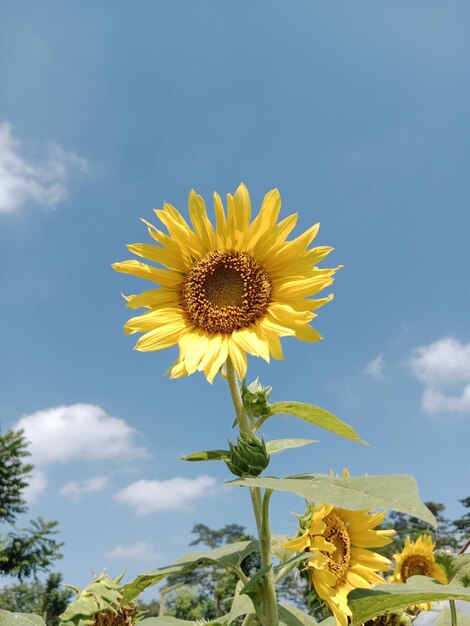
{"type": "Point", "coordinates": [23, 619]}
{"type": "Point", "coordinates": [228, 556]}
{"type": "Point", "coordinates": [445, 619]}
{"type": "Point", "coordinates": [23, 552]}
{"type": "Point", "coordinates": [48, 599]}
{"type": "Point", "coordinates": [279, 445]}
{"type": "Point", "coordinates": [314, 415]}
{"type": "Point", "coordinates": [389, 492]}
{"type": "Point", "coordinates": [366, 604]}
{"type": "Point", "coordinates": [26, 551]}
{"type": "Point", "coordinates": [14, 473]}
{"type": "Point", "coordinates": [292, 616]}
{"type": "Point", "coordinates": [272, 447]}
{"type": "Point", "coordinates": [462, 525]}
{"type": "Point", "coordinates": [456, 567]}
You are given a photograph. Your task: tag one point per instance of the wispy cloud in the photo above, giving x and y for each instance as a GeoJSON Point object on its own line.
{"type": "Point", "coordinates": [77, 431]}
{"type": "Point", "coordinates": [140, 552]}
{"type": "Point", "coordinates": [149, 496]}
{"type": "Point", "coordinates": [76, 489]}
{"type": "Point", "coordinates": [24, 181]}
{"type": "Point", "coordinates": [375, 369]}
{"type": "Point", "coordinates": [444, 369]}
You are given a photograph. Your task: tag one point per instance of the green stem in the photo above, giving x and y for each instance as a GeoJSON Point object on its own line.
{"type": "Point", "coordinates": [236, 398]}
{"type": "Point", "coordinates": [248, 619]}
{"type": "Point", "coordinates": [453, 612]}
{"type": "Point", "coordinates": [270, 607]}
{"type": "Point", "coordinates": [260, 507]}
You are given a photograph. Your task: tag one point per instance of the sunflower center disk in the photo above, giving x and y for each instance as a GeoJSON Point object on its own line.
{"type": "Point", "coordinates": [225, 291]}
{"type": "Point", "coordinates": [415, 566]}
{"type": "Point", "coordinates": [337, 534]}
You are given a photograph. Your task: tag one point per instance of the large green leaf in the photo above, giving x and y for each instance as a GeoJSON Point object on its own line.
{"type": "Point", "coordinates": [231, 554]}
{"type": "Point", "coordinates": [318, 416]}
{"type": "Point", "coordinates": [278, 445]}
{"type": "Point", "coordinates": [292, 616]}
{"type": "Point", "coordinates": [366, 604]}
{"type": "Point", "coordinates": [390, 492]}
{"type": "Point", "coordinates": [20, 619]}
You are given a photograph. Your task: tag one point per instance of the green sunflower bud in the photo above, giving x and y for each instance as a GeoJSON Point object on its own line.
{"type": "Point", "coordinates": [255, 399]}
{"type": "Point", "coordinates": [248, 457]}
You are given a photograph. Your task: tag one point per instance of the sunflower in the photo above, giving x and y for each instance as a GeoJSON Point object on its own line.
{"type": "Point", "coordinates": [340, 561]}
{"type": "Point", "coordinates": [226, 291]}
{"type": "Point", "coordinates": [417, 559]}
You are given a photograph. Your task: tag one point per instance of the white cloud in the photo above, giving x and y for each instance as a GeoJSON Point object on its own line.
{"type": "Point", "coordinates": [37, 484]}
{"type": "Point", "coordinates": [75, 489]}
{"type": "Point", "coordinates": [23, 181]}
{"type": "Point", "coordinates": [136, 553]}
{"type": "Point", "coordinates": [148, 496]}
{"type": "Point", "coordinates": [78, 431]}
{"type": "Point", "coordinates": [444, 369]}
{"type": "Point", "coordinates": [375, 369]}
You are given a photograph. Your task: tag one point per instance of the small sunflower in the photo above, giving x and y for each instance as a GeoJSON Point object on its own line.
{"type": "Point", "coordinates": [417, 559]}
{"type": "Point", "coordinates": [226, 291]}
{"type": "Point", "coordinates": [338, 540]}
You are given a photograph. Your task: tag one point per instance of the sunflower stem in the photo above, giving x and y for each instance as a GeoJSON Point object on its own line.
{"type": "Point", "coordinates": [270, 607]}
{"type": "Point", "coordinates": [453, 612]}
{"type": "Point", "coordinates": [260, 508]}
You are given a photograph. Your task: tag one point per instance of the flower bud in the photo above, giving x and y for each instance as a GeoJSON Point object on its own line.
{"type": "Point", "coordinates": [248, 457]}
{"type": "Point", "coordinates": [255, 399]}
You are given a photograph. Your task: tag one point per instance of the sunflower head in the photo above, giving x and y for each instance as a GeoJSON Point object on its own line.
{"type": "Point", "coordinates": [417, 559]}
{"type": "Point", "coordinates": [227, 290]}
{"type": "Point", "coordinates": [339, 542]}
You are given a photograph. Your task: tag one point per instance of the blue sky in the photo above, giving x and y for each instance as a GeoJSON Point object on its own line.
{"type": "Point", "coordinates": [358, 113]}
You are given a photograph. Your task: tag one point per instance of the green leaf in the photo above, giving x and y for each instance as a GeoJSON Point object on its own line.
{"type": "Point", "coordinates": [208, 455]}
{"type": "Point", "coordinates": [445, 618]}
{"type": "Point", "coordinates": [366, 604]}
{"type": "Point", "coordinates": [292, 616]}
{"type": "Point", "coordinates": [277, 547]}
{"type": "Point", "coordinates": [231, 554]}
{"type": "Point", "coordinates": [390, 492]}
{"type": "Point", "coordinates": [242, 605]}
{"type": "Point", "coordinates": [254, 587]}
{"type": "Point", "coordinates": [278, 445]}
{"type": "Point", "coordinates": [20, 619]}
{"type": "Point", "coordinates": [318, 416]}
{"type": "Point", "coordinates": [165, 620]}
{"type": "Point", "coordinates": [456, 566]}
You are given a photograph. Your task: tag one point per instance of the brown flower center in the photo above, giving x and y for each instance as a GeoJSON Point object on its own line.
{"type": "Point", "coordinates": [225, 291]}
{"type": "Point", "coordinates": [415, 565]}
{"type": "Point", "coordinates": [336, 533]}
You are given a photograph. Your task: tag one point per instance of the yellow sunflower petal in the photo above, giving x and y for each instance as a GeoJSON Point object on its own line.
{"type": "Point", "coordinates": [200, 221]}
{"type": "Point", "coordinates": [160, 338]}
{"type": "Point", "coordinates": [166, 278]}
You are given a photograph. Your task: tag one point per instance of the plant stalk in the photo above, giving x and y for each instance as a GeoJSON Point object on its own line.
{"type": "Point", "coordinates": [453, 612]}
{"type": "Point", "coordinates": [260, 508]}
